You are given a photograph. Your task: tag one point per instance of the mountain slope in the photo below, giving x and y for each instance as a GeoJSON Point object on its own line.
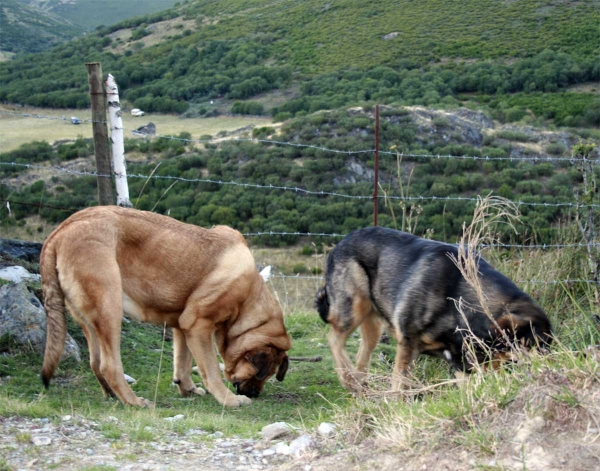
{"type": "Point", "coordinates": [92, 13]}
{"type": "Point", "coordinates": [334, 54]}
{"type": "Point", "coordinates": [27, 29]}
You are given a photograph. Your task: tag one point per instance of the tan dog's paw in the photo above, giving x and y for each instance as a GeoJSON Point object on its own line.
{"type": "Point", "coordinates": [196, 390]}
{"type": "Point", "coordinates": [141, 402]}
{"type": "Point", "coordinates": [233, 400]}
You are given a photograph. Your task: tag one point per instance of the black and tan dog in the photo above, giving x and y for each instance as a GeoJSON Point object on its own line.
{"type": "Point", "coordinates": [380, 277]}
{"type": "Point", "coordinates": [105, 261]}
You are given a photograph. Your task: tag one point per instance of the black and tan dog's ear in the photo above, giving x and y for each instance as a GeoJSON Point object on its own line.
{"type": "Point", "coordinates": [262, 362]}
{"type": "Point", "coordinates": [283, 367]}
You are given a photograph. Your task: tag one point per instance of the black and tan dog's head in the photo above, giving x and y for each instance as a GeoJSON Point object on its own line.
{"type": "Point", "coordinates": [523, 325]}
{"type": "Point", "coordinates": [253, 369]}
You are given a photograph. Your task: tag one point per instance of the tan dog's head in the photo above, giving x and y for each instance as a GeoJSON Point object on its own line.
{"type": "Point", "coordinates": [256, 345]}
{"type": "Point", "coordinates": [252, 371]}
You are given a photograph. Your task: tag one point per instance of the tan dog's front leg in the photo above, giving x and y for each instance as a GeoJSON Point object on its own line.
{"type": "Point", "coordinates": [182, 366]}
{"type": "Point", "coordinates": [199, 341]}
{"type": "Point", "coordinates": [349, 376]}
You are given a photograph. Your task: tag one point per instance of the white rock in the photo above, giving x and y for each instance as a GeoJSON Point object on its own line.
{"type": "Point", "coordinates": [41, 440]}
{"type": "Point", "coordinates": [307, 467]}
{"type": "Point", "coordinates": [275, 430]}
{"type": "Point", "coordinates": [129, 379]}
{"type": "Point", "coordinates": [66, 418]}
{"type": "Point", "coordinates": [175, 418]}
{"type": "Point", "coordinates": [282, 449]}
{"type": "Point", "coordinates": [300, 445]}
{"type": "Point", "coordinates": [327, 429]}
{"type": "Point", "coordinates": [17, 274]}
{"type": "Point", "coordinates": [268, 452]}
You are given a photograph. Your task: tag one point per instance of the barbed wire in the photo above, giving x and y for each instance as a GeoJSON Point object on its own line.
{"type": "Point", "coordinates": [316, 147]}
{"type": "Point", "coordinates": [548, 282]}
{"type": "Point", "coordinates": [287, 188]}
{"type": "Point", "coordinates": [481, 246]}
{"type": "Point", "coordinates": [370, 151]}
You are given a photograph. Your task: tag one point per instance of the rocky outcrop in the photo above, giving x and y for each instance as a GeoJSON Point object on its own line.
{"type": "Point", "coordinates": [22, 317]}
{"type": "Point", "coordinates": [21, 250]}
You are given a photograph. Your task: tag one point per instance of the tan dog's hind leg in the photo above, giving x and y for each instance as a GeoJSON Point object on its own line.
{"type": "Point", "coordinates": [182, 366]}
{"type": "Point", "coordinates": [95, 298]}
{"type": "Point", "coordinates": [370, 333]}
{"type": "Point", "coordinates": [199, 340]}
{"type": "Point", "coordinates": [95, 359]}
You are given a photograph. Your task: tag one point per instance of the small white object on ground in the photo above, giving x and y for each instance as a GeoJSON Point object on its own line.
{"type": "Point", "coordinates": [129, 379]}
{"type": "Point", "coordinates": [41, 440]}
{"type": "Point", "coordinates": [327, 429]}
{"type": "Point", "coordinates": [301, 445]}
{"type": "Point", "coordinates": [275, 430]}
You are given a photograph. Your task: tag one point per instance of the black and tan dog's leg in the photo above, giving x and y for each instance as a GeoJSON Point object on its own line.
{"type": "Point", "coordinates": [370, 333]}
{"type": "Point", "coordinates": [199, 339]}
{"type": "Point", "coordinates": [405, 356]}
{"type": "Point", "coordinates": [182, 366]}
{"type": "Point", "coordinates": [348, 374]}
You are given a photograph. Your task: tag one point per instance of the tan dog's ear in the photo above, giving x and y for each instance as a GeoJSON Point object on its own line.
{"type": "Point", "coordinates": [262, 362]}
{"type": "Point", "coordinates": [283, 367]}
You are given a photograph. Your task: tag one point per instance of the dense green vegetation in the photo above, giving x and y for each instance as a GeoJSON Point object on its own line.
{"type": "Point", "coordinates": [338, 55]}
{"type": "Point", "coordinates": [25, 29]}
{"type": "Point", "coordinates": [265, 209]}
{"type": "Point", "coordinates": [37, 25]}
{"type": "Point", "coordinates": [92, 13]}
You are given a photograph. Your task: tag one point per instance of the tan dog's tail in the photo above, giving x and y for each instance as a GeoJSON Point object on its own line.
{"type": "Point", "coordinates": [54, 302]}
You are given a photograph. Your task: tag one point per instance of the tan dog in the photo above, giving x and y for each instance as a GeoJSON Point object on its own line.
{"type": "Point", "coordinates": [106, 261]}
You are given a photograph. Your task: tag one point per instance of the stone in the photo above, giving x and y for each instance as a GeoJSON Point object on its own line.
{"type": "Point", "coordinates": [129, 379]}
{"type": "Point", "coordinates": [282, 449]}
{"type": "Point", "coordinates": [17, 274]}
{"type": "Point", "coordinates": [21, 250]}
{"type": "Point", "coordinates": [175, 418]}
{"type": "Point", "coordinates": [301, 445]}
{"type": "Point", "coordinates": [41, 440]}
{"type": "Point", "coordinates": [22, 316]}
{"type": "Point", "coordinates": [327, 429]}
{"type": "Point", "coordinates": [275, 430]}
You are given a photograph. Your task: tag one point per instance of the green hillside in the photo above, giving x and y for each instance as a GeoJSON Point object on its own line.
{"type": "Point", "coordinates": [330, 55]}
{"type": "Point", "coordinates": [92, 13]}
{"type": "Point", "coordinates": [26, 29]}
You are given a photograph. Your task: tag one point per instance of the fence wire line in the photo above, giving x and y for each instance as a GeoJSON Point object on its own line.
{"type": "Point", "coordinates": [315, 147]}
{"type": "Point", "coordinates": [369, 151]}
{"type": "Point", "coordinates": [287, 188]}
{"type": "Point", "coordinates": [546, 282]}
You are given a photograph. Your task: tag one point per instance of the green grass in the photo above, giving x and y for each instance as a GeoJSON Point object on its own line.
{"type": "Point", "coordinates": [304, 399]}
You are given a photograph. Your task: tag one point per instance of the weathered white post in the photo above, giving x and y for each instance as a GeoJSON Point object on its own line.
{"type": "Point", "coordinates": [118, 145]}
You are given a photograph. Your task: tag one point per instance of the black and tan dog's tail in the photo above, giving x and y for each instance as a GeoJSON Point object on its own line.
{"type": "Point", "coordinates": [54, 302]}
{"type": "Point", "coordinates": [322, 303]}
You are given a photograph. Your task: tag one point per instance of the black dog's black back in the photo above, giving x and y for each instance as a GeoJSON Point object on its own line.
{"type": "Point", "coordinates": [415, 286]}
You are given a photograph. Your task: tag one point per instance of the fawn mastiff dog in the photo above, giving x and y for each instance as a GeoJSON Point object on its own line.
{"type": "Point", "coordinates": [380, 277]}
{"type": "Point", "coordinates": [108, 261]}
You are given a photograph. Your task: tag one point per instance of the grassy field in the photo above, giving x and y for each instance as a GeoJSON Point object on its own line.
{"type": "Point", "coordinates": [16, 130]}
{"type": "Point", "coordinates": [486, 418]}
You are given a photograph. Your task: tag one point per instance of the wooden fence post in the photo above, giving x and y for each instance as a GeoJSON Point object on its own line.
{"type": "Point", "coordinates": [101, 149]}
{"type": "Point", "coordinates": [118, 145]}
